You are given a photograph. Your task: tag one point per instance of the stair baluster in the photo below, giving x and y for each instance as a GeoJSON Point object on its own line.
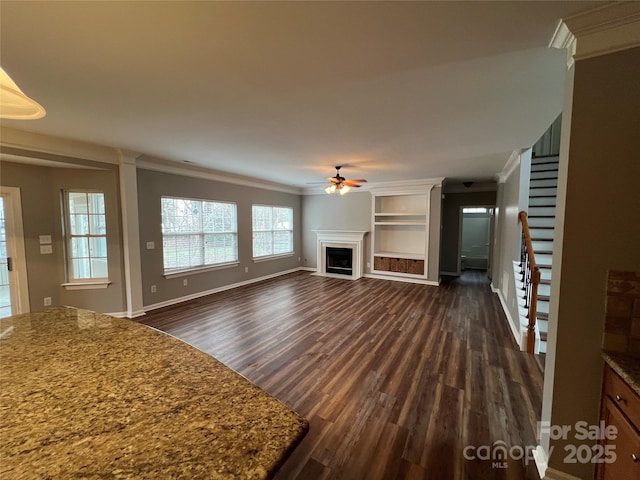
{"type": "Point", "coordinates": [531, 280]}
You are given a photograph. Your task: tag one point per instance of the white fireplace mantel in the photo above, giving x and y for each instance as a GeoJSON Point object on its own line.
{"type": "Point", "coordinates": [353, 239]}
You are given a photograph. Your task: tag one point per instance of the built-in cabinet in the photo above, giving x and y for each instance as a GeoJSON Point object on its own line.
{"type": "Point", "coordinates": [400, 230]}
{"type": "Point", "coordinates": [620, 409]}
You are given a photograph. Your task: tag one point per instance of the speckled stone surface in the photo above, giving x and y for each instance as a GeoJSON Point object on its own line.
{"type": "Point", "coordinates": [625, 365]}
{"type": "Point", "coordinates": [84, 395]}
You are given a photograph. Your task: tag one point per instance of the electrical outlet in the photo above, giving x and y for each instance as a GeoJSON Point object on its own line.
{"type": "Point", "coordinates": [47, 301]}
{"type": "Point", "coordinates": [368, 264]}
{"type": "Point", "coordinates": [246, 269]}
{"type": "Point", "coordinates": [153, 289]}
{"type": "Point", "coordinates": [185, 282]}
{"type": "Point", "coordinates": [151, 245]}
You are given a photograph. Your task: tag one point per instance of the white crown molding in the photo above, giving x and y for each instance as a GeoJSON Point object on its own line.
{"type": "Point", "coordinates": [175, 168]}
{"type": "Point", "coordinates": [606, 29]}
{"type": "Point", "coordinates": [563, 38]}
{"type": "Point", "coordinates": [37, 142]}
{"type": "Point", "coordinates": [510, 166]}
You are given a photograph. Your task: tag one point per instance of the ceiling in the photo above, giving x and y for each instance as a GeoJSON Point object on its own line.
{"type": "Point", "coordinates": [283, 91]}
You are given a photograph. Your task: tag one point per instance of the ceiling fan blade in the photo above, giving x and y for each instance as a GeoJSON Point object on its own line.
{"type": "Point", "coordinates": [362, 180]}
{"type": "Point", "coordinates": [352, 183]}
{"type": "Point", "coordinates": [334, 179]}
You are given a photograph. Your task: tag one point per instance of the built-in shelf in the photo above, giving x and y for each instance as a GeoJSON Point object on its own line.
{"type": "Point", "coordinates": [415, 214]}
{"type": "Point", "coordinates": [400, 223]}
{"type": "Point", "coordinates": [400, 230]}
{"type": "Point", "coordinates": [412, 256]}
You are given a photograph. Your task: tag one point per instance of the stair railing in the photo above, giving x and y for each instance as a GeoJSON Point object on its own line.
{"type": "Point", "coordinates": [531, 279]}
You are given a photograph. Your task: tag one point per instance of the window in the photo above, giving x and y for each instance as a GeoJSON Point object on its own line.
{"type": "Point", "coordinates": [272, 231]}
{"type": "Point", "coordinates": [86, 236]}
{"type": "Point", "coordinates": [198, 233]}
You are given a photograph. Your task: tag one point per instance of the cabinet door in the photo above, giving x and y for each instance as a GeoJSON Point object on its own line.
{"type": "Point", "coordinates": [626, 446]}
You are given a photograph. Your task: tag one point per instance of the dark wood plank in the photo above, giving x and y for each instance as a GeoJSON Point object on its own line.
{"type": "Point", "coordinates": [395, 378]}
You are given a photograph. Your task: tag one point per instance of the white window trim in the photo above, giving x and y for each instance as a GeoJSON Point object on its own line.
{"type": "Point", "coordinates": [86, 285]}
{"type": "Point", "coordinates": [80, 283]}
{"type": "Point", "coordinates": [181, 272]}
{"type": "Point", "coordinates": [277, 255]}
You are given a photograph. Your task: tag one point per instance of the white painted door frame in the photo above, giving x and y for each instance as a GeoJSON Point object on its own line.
{"type": "Point", "coordinates": [19, 285]}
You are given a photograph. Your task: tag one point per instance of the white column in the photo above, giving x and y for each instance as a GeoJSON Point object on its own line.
{"type": "Point", "coordinates": [130, 233]}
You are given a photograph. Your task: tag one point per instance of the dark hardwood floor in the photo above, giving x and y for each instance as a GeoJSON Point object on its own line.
{"type": "Point", "coordinates": [398, 380]}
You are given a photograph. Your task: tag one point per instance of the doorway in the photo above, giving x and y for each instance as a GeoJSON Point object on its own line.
{"type": "Point", "coordinates": [476, 232]}
{"type": "Point", "coordinates": [14, 294]}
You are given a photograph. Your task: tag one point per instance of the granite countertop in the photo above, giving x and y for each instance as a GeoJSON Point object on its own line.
{"type": "Point", "coordinates": [625, 365]}
{"type": "Point", "coordinates": [85, 395]}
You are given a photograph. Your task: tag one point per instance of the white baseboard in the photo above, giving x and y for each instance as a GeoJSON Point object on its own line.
{"type": "Point", "coordinates": [540, 457]}
{"type": "Point", "coordinates": [139, 313]}
{"type": "Point", "coordinates": [402, 279]}
{"type": "Point", "coordinates": [308, 269]}
{"type": "Point", "coordinates": [204, 293]}
{"type": "Point", "coordinates": [516, 334]}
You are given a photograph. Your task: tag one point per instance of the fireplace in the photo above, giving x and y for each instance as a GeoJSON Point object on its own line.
{"type": "Point", "coordinates": [339, 261]}
{"type": "Point", "coordinates": [340, 253]}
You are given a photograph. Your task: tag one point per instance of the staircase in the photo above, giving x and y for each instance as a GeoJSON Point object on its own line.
{"type": "Point", "coordinates": [543, 188]}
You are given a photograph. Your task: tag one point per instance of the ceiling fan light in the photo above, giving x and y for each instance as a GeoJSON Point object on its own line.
{"type": "Point", "coordinates": [14, 103]}
{"type": "Point", "coordinates": [345, 189]}
{"type": "Point", "coordinates": [330, 189]}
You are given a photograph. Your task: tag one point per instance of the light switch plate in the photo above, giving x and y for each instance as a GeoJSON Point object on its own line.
{"type": "Point", "coordinates": [46, 249]}
{"type": "Point", "coordinates": [45, 239]}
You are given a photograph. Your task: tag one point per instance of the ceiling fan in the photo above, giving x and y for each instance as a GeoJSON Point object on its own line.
{"type": "Point", "coordinates": [341, 184]}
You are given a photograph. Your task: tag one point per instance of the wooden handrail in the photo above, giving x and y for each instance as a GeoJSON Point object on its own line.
{"type": "Point", "coordinates": [531, 269]}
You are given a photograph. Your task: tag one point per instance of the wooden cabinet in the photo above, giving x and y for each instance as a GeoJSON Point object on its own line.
{"type": "Point", "coordinates": [400, 229]}
{"type": "Point", "coordinates": [620, 408]}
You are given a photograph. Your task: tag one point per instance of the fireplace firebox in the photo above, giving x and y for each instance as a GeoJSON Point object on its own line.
{"type": "Point", "coordinates": [339, 261]}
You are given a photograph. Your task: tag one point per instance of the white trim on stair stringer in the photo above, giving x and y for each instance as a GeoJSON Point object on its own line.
{"type": "Point", "coordinates": [516, 334]}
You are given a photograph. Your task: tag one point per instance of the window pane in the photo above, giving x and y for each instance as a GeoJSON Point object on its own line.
{"type": "Point", "coordinates": [79, 247]}
{"type": "Point", "coordinates": [79, 224]}
{"type": "Point", "coordinates": [81, 268]}
{"type": "Point", "coordinates": [86, 236]}
{"type": "Point", "coordinates": [97, 225]}
{"type": "Point", "coordinates": [272, 230]}
{"type": "Point", "coordinates": [261, 218]}
{"type": "Point", "coordinates": [96, 203]}
{"type": "Point", "coordinates": [261, 244]}
{"type": "Point", "coordinates": [78, 203]}
{"type": "Point", "coordinates": [209, 233]}
{"type": "Point", "coordinates": [169, 248]}
{"type": "Point", "coordinates": [98, 247]}
{"type": "Point", "coordinates": [282, 242]}
{"type": "Point", "coordinates": [182, 251]}
{"type": "Point", "coordinates": [99, 268]}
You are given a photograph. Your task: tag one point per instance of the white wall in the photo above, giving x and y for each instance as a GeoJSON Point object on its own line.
{"type": "Point", "coordinates": [506, 246]}
{"type": "Point", "coordinates": [600, 232]}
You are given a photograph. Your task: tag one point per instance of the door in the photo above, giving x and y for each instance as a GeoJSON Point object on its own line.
{"type": "Point", "coordinates": [14, 295]}
{"type": "Point", "coordinates": [475, 238]}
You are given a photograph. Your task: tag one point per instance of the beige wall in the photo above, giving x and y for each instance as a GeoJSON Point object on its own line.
{"type": "Point", "coordinates": [601, 232]}
{"type": "Point", "coordinates": [353, 212]}
{"type": "Point", "coordinates": [153, 185]}
{"type": "Point", "coordinates": [334, 212]}
{"type": "Point", "coordinates": [40, 189]}
{"type": "Point", "coordinates": [507, 243]}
